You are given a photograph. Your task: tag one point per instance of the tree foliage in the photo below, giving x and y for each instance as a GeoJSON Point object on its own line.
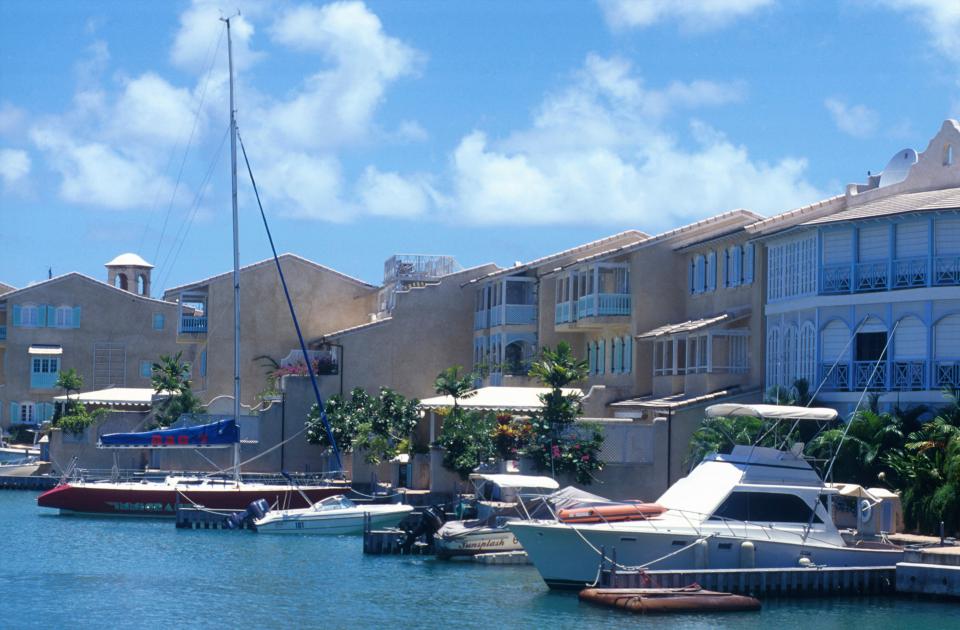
{"type": "Point", "coordinates": [171, 377]}
{"type": "Point", "coordinates": [466, 439]}
{"type": "Point", "coordinates": [379, 426]}
{"type": "Point", "coordinates": [74, 416]}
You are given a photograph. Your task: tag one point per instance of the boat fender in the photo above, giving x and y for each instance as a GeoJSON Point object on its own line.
{"type": "Point", "coordinates": [701, 554]}
{"type": "Point", "coordinates": [748, 555]}
{"type": "Point", "coordinates": [866, 511]}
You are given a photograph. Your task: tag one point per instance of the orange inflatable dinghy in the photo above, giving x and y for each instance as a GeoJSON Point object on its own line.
{"type": "Point", "coordinates": [612, 513]}
{"type": "Point", "coordinates": [669, 600]}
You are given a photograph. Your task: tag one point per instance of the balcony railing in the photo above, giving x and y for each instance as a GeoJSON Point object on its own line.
{"type": "Point", "coordinates": [193, 324]}
{"type": "Point", "coordinates": [3, 333]}
{"type": "Point", "coordinates": [481, 319]}
{"type": "Point", "coordinates": [836, 279]}
{"type": "Point", "coordinates": [837, 380]}
{"type": "Point", "coordinates": [909, 376]}
{"type": "Point", "coordinates": [496, 316]}
{"type": "Point", "coordinates": [562, 315]}
{"type": "Point", "coordinates": [946, 270]}
{"type": "Point", "coordinates": [902, 273]}
{"type": "Point", "coordinates": [946, 374]}
{"type": "Point", "coordinates": [871, 276]}
{"type": "Point", "coordinates": [603, 305]}
{"type": "Point", "coordinates": [521, 314]}
{"type": "Point", "coordinates": [869, 375]}
{"type": "Point", "coordinates": [910, 272]}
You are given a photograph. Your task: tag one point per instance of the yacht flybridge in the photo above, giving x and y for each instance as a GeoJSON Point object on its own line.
{"type": "Point", "coordinates": [756, 507]}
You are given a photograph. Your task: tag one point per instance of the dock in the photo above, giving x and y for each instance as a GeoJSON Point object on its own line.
{"type": "Point", "coordinates": [933, 571]}
{"type": "Point", "coordinates": [799, 581]}
{"type": "Point", "coordinates": [199, 518]}
{"type": "Point", "coordinates": [39, 482]}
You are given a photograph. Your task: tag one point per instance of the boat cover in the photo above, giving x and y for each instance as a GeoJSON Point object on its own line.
{"type": "Point", "coordinates": [214, 435]}
{"type": "Point", "coordinates": [772, 412]}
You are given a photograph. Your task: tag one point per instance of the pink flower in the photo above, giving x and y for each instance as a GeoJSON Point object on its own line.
{"type": "Point", "coordinates": [556, 451]}
{"type": "Point", "coordinates": [585, 458]}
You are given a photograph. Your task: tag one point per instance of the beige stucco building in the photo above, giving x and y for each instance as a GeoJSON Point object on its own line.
{"type": "Point", "coordinates": [109, 335]}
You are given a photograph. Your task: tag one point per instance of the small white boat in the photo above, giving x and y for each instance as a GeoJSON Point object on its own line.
{"type": "Point", "coordinates": [25, 468]}
{"type": "Point", "coordinates": [333, 515]}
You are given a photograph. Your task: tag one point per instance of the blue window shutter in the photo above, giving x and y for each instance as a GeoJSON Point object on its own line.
{"type": "Point", "coordinates": [748, 265]}
{"type": "Point", "coordinates": [724, 266]}
{"type": "Point", "coordinates": [76, 317]}
{"type": "Point", "coordinates": [51, 316]}
{"type": "Point", "coordinates": [42, 315]}
{"type": "Point", "coordinates": [14, 412]}
{"type": "Point", "coordinates": [629, 359]}
{"type": "Point", "coordinates": [590, 359]}
{"type": "Point", "coordinates": [16, 314]}
{"type": "Point", "coordinates": [602, 356]}
{"type": "Point", "coordinates": [203, 363]}
{"type": "Point", "coordinates": [712, 271]}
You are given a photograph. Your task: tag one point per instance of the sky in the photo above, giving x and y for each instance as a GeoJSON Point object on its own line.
{"type": "Point", "coordinates": [492, 131]}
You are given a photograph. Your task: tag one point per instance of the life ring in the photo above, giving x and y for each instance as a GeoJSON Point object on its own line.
{"type": "Point", "coordinates": [866, 510]}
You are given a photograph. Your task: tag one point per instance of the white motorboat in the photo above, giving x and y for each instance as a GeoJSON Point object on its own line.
{"type": "Point", "coordinates": [26, 467]}
{"type": "Point", "coordinates": [754, 508]}
{"type": "Point", "coordinates": [333, 515]}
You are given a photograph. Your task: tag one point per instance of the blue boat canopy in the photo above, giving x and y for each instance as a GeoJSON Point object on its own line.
{"type": "Point", "coordinates": [214, 435]}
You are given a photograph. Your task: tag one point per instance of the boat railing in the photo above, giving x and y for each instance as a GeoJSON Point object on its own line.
{"type": "Point", "coordinates": [120, 475]}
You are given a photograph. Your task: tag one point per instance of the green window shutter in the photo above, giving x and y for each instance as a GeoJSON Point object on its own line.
{"type": "Point", "coordinates": [76, 317]}
{"type": "Point", "coordinates": [16, 314]}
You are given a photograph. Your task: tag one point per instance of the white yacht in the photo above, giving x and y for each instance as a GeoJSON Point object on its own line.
{"type": "Point", "coordinates": [756, 507]}
{"type": "Point", "coordinates": [333, 515]}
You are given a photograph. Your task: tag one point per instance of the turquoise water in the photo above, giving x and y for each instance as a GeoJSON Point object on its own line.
{"type": "Point", "coordinates": [58, 572]}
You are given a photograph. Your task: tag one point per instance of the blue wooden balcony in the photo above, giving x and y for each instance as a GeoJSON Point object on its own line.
{"type": "Point", "coordinates": [902, 273]}
{"type": "Point", "coordinates": [513, 315]}
{"type": "Point", "coordinates": [909, 376]}
{"type": "Point", "coordinates": [3, 332]}
{"type": "Point", "coordinates": [481, 319]}
{"type": "Point", "coordinates": [193, 324]}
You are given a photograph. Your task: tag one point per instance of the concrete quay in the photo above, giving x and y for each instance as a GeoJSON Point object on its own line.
{"type": "Point", "coordinates": [933, 571]}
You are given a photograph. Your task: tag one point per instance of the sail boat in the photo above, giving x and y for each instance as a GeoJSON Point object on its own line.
{"type": "Point", "coordinates": [159, 498]}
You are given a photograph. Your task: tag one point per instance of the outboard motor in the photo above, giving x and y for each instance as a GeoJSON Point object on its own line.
{"type": "Point", "coordinates": [431, 520]}
{"type": "Point", "coordinates": [256, 510]}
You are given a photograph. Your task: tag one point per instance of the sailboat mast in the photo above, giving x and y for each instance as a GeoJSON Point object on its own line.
{"type": "Point", "coordinates": [236, 257]}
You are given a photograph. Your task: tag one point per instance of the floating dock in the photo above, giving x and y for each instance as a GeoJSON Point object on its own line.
{"type": "Point", "coordinates": [790, 581]}
{"type": "Point", "coordinates": [390, 542]}
{"type": "Point", "coordinates": [39, 482]}
{"type": "Point", "coordinates": [200, 518]}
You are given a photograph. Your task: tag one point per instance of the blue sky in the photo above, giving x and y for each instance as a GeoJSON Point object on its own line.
{"type": "Point", "coordinates": [493, 131]}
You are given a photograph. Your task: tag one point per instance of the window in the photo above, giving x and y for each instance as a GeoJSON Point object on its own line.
{"type": "Point", "coordinates": [711, 283]}
{"type": "Point", "coordinates": [30, 316]}
{"type": "Point", "coordinates": [870, 346]}
{"type": "Point", "coordinates": [146, 369]}
{"type": "Point", "coordinates": [765, 507]}
{"type": "Point", "coordinates": [26, 413]}
{"type": "Point", "coordinates": [601, 355]}
{"type": "Point", "coordinates": [44, 372]}
{"type": "Point", "coordinates": [699, 274]}
{"type": "Point", "coordinates": [792, 269]}
{"type": "Point", "coordinates": [64, 317]}
{"type": "Point", "coordinates": [733, 266]}
{"type": "Point", "coordinates": [773, 357]}
{"type": "Point", "coordinates": [158, 321]}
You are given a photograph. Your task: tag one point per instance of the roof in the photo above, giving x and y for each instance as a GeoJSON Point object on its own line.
{"type": "Point", "coordinates": [692, 229]}
{"type": "Point", "coordinates": [128, 260]}
{"type": "Point", "coordinates": [269, 261]}
{"type": "Point", "coordinates": [772, 412]}
{"type": "Point", "coordinates": [517, 481]}
{"type": "Point", "coordinates": [636, 235]}
{"type": "Point", "coordinates": [352, 329]}
{"type": "Point", "coordinates": [797, 215]}
{"type": "Point", "coordinates": [498, 398]}
{"type": "Point", "coordinates": [676, 401]}
{"type": "Point", "coordinates": [76, 274]}
{"type": "Point", "coordinates": [126, 396]}
{"type": "Point", "coordinates": [695, 324]}
{"type": "Point", "coordinates": [944, 199]}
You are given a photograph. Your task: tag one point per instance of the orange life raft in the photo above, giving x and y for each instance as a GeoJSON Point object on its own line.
{"type": "Point", "coordinates": [611, 513]}
{"type": "Point", "coordinates": [669, 600]}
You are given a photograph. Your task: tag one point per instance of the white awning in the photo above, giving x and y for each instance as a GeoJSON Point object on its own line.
{"type": "Point", "coordinates": [772, 412]}
{"type": "Point", "coordinates": [47, 350]}
{"type": "Point", "coordinates": [517, 481]}
{"type": "Point", "coordinates": [132, 396]}
{"type": "Point", "coordinates": [497, 399]}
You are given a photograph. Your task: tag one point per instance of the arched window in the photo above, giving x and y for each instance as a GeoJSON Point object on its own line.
{"type": "Point", "coordinates": [773, 356]}
{"type": "Point", "coordinates": [141, 284]}
{"type": "Point", "coordinates": [948, 155]}
{"type": "Point", "coordinates": [807, 353]}
{"type": "Point", "coordinates": [120, 281]}
{"type": "Point", "coordinates": [789, 354]}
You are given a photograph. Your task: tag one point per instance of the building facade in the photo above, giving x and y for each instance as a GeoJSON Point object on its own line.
{"type": "Point", "coordinates": [863, 289]}
{"type": "Point", "coordinates": [110, 336]}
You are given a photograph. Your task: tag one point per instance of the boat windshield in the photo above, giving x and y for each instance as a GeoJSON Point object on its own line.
{"type": "Point", "coordinates": [338, 502]}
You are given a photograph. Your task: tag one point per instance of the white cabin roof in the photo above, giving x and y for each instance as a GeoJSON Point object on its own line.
{"type": "Point", "coordinates": [772, 412]}
{"type": "Point", "coordinates": [517, 481]}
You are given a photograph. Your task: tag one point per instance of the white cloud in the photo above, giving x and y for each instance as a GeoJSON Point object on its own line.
{"type": "Point", "coordinates": [306, 186]}
{"type": "Point", "coordinates": [941, 18]}
{"type": "Point", "coordinates": [693, 15]}
{"type": "Point", "coordinates": [96, 174]}
{"type": "Point", "coordinates": [602, 151]}
{"type": "Point", "coordinates": [392, 195]}
{"type": "Point", "coordinates": [201, 29]}
{"type": "Point", "coordinates": [14, 166]}
{"type": "Point", "coordinates": [858, 121]}
{"type": "Point", "coordinates": [335, 106]}
{"type": "Point", "coordinates": [12, 119]}
{"type": "Point", "coordinates": [152, 110]}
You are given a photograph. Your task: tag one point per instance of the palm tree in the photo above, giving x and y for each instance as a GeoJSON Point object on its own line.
{"type": "Point", "coordinates": [171, 376]}
{"type": "Point", "coordinates": [450, 383]}
{"type": "Point", "coordinates": [558, 368]}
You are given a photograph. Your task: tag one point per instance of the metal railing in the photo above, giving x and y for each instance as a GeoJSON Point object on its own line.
{"type": "Point", "coordinates": [193, 324]}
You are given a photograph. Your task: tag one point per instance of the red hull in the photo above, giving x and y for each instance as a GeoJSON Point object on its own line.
{"type": "Point", "coordinates": [143, 500]}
